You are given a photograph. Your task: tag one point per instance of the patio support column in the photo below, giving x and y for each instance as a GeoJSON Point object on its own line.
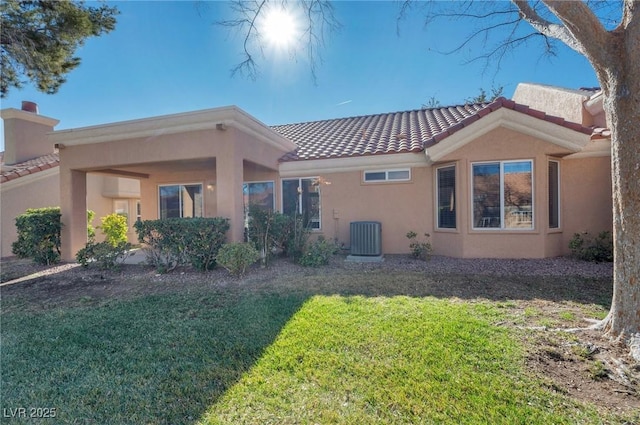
{"type": "Point", "coordinates": [73, 206]}
{"type": "Point", "coordinates": [229, 179]}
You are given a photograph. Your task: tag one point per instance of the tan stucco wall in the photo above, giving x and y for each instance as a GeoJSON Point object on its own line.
{"type": "Point", "coordinates": [15, 199]}
{"type": "Point", "coordinates": [399, 206]}
{"type": "Point", "coordinates": [37, 192]}
{"type": "Point", "coordinates": [577, 193]}
{"type": "Point", "coordinates": [25, 135]}
{"type": "Point", "coordinates": [103, 191]}
{"type": "Point", "coordinates": [586, 201]}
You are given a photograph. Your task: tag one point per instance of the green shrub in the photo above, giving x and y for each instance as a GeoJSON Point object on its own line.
{"type": "Point", "coordinates": [585, 247]}
{"type": "Point", "coordinates": [318, 253]}
{"type": "Point", "coordinates": [106, 255]}
{"type": "Point", "coordinates": [91, 231]}
{"type": "Point", "coordinates": [39, 235]}
{"type": "Point", "coordinates": [114, 227]}
{"type": "Point", "coordinates": [236, 257]}
{"type": "Point", "coordinates": [296, 235]}
{"type": "Point", "coordinates": [174, 242]}
{"type": "Point", "coordinates": [268, 231]}
{"type": "Point", "coordinates": [419, 249]}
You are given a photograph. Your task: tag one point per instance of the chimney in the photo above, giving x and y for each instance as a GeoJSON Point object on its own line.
{"type": "Point", "coordinates": [30, 107]}
{"type": "Point", "coordinates": [26, 133]}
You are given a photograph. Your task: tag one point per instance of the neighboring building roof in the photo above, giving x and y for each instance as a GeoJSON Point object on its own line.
{"type": "Point", "coordinates": [12, 172]}
{"type": "Point", "coordinates": [395, 132]}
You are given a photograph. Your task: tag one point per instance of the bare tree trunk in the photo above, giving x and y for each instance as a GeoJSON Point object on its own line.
{"type": "Point", "coordinates": [624, 116]}
{"type": "Point", "coordinates": [621, 85]}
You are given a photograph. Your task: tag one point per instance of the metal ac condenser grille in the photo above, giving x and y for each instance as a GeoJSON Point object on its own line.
{"type": "Point", "coordinates": [366, 238]}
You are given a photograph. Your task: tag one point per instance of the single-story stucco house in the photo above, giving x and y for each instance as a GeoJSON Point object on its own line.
{"type": "Point", "coordinates": [507, 179]}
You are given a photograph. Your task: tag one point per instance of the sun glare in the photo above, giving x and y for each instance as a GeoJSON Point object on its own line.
{"type": "Point", "coordinates": [279, 28]}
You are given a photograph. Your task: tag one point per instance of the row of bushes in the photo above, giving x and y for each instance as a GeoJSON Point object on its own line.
{"type": "Point", "coordinates": [274, 233]}
{"type": "Point", "coordinates": [200, 242]}
{"type": "Point", "coordinates": [39, 233]}
{"type": "Point", "coordinates": [173, 242]}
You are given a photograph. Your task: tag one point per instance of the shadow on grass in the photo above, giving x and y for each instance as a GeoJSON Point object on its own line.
{"type": "Point", "coordinates": [463, 286]}
{"type": "Point", "coordinates": [166, 358]}
{"type": "Point", "coordinates": [157, 359]}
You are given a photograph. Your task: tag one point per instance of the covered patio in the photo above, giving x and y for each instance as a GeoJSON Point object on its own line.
{"type": "Point", "coordinates": [189, 164]}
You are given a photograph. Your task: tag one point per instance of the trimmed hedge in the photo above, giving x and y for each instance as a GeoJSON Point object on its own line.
{"type": "Point", "coordinates": [39, 235]}
{"type": "Point", "coordinates": [175, 242]}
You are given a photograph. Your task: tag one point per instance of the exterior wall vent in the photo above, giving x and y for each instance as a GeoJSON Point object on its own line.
{"type": "Point", "coordinates": [366, 238]}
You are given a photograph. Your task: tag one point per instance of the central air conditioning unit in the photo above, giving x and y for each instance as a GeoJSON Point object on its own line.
{"type": "Point", "coordinates": [366, 238]}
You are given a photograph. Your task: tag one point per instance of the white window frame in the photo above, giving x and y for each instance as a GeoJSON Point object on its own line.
{"type": "Point", "coordinates": [386, 175]}
{"type": "Point", "coordinates": [455, 198]}
{"type": "Point", "coordinates": [558, 188]}
{"type": "Point", "coordinates": [201, 184]}
{"type": "Point", "coordinates": [502, 227]}
{"type": "Point", "coordinates": [299, 179]}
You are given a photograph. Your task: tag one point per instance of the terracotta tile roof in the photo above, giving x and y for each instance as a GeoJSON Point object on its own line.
{"type": "Point", "coordinates": [41, 163]}
{"type": "Point", "coordinates": [395, 132]}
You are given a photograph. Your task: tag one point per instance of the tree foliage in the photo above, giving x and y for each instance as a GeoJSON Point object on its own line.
{"type": "Point", "coordinates": [39, 39]}
{"type": "Point", "coordinates": [484, 97]}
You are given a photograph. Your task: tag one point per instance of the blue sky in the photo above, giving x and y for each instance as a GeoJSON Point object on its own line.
{"type": "Point", "coordinates": [170, 57]}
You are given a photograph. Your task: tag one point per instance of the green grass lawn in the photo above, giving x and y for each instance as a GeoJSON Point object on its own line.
{"type": "Point", "coordinates": [277, 352]}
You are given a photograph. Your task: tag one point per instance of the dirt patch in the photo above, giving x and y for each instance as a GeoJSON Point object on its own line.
{"type": "Point", "coordinates": [588, 367]}
{"type": "Point", "coordinates": [541, 297]}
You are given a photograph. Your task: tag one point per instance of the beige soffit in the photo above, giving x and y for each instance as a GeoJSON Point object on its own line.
{"type": "Point", "coordinates": [10, 113]}
{"type": "Point", "coordinates": [359, 163]}
{"type": "Point", "coordinates": [208, 119]}
{"type": "Point", "coordinates": [595, 148]}
{"type": "Point", "coordinates": [513, 120]}
{"type": "Point", "coordinates": [30, 178]}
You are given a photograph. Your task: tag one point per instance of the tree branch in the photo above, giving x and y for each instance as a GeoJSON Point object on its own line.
{"type": "Point", "coordinates": [319, 20]}
{"type": "Point", "coordinates": [548, 28]}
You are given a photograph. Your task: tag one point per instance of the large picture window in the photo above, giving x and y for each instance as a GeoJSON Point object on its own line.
{"type": "Point", "coordinates": [446, 178]}
{"type": "Point", "coordinates": [503, 195]}
{"type": "Point", "coordinates": [180, 200]}
{"type": "Point", "coordinates": [302, 196]}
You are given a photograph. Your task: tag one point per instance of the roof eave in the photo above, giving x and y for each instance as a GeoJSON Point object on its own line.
{"type": "Point", "coordinates": [209, 119]}
{"type": "Point", "coordinates": [567, 138]}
